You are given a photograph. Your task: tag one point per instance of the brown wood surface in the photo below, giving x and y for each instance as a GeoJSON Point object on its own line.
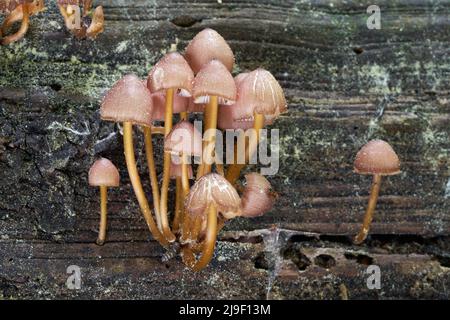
{"type": "Point", "coordinates": [345, 85]}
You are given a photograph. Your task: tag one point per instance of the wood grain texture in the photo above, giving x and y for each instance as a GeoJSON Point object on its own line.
{"type": "Point", "coordinates": [345, 85]}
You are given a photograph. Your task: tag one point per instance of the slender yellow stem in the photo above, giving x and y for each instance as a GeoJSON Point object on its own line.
{"type": "Point", "coordinates": [136, 182]}
{"type": "Point", "coordinates": [178, 205]}
{"type": "Point", "coordinates": [211, 112]}
{"type": "Point", "coordinates": [23, 27]}
{"type": "Point", "coordinates": [210, 240]}
{"type": "Point", "coordinates": [234, 170]}
{"type": "Point", "coordinates": [103, 213]}
{"type": "Point", "coordinates": [184, 175]}
{"type": "Point", "coordinates": [152, 173]}
{"type": "Point", "coordinates": [375, 190]}
{"type": "Point", "coordinates": [15, 16]}
{"type": "Point", "coordinates": [166, 169]}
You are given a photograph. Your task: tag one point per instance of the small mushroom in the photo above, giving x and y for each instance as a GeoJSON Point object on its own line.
{"type": "Point", "coordinates": [19, 12]}
{"type": "Point", "coordinates": [103, 174]}
{"type": "Point", "coordinates": [171, 73]}
{"type": "Point", "coordinates": [260, 101]}
{"type": "Point", "coordinates": [208, 45]}
{"type": "Point", "coordinates": [210, 196]}
{"type": "Point", "coordinates": [82, 23]}
{"type": "Point", "coordinates": [213, 85]}
{"type": "Point", "coordinates": [129, 101]}
{"type": "Point", "coordinates": [376, 158]}
{"type": "Point", "coordinates": [258, 197]}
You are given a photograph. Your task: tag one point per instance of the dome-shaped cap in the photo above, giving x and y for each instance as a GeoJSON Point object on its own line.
{"type": "Point", "coordinates": [184, 139]}
{"type": "Point", "coordinates": [175, 170]}
{"type": "Point", "coordinates": [214, 189]}
{"type": "Point", "coordinates": [214, 80]}
{"type": "Point", "coordinates": [104, 173]}
{"type": "Point", "coordinates": [208, 45]}
{"type": "Point", "coordinates": [180, 104]}
{"type": "Point", "coordinates": [257, 197]}
{"type": "Point", "coordinates": [377, 157]}
{"type": "Point", "coordinates": [171, 72]}
{"type": "Point", "coordinates": [128, 100]}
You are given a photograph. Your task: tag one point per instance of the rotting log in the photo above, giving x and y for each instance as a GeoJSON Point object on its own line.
{"type": "Point", "coordinates": [345, 84]}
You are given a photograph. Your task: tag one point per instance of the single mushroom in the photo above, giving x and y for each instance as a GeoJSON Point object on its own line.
{"type": "Point", "coordinates": [19, 12]}
{"type": "Point", "coordinates": [376, 158]}
{"type": "Point", "coordinates": [213, 85]}
{"type": "Point", "coordinates": [210, 196]}
{"type": "Point", "coordinates": [183, 142]}
{"type": "Point", "coordinates": [208, 45]}
{"type": "Point", "coordinates": [103, 174]}
{"type": "Point", "coordinates": [260, 101]}
{"type": "Point", "coordinates": [129, 101]}
{"type": "Point", "coordinates": [170, 74]}
{"type": "Point", "coordinates": [258, 197]}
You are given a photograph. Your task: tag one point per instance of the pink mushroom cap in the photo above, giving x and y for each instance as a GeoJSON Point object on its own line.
{"type": "Point", "coordinates": [104, 173]}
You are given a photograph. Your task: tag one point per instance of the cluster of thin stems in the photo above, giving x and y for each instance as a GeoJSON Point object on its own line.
{"type": "Point", "coordinates": [188, 232]}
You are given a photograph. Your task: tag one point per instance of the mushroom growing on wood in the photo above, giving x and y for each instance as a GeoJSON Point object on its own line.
{"type": "Point", "coordinates": [213, 85]}
{"type": "Point", "coordinates": [208, 45]}
{"type": "Point", "coordinates": [376, 158]}
{"type": "Point", "coordinates": [170, 74]}
{"type": "Point", "coordinates": [258, 197]}
{"type": "Point", "coordinates": [210, 196]}
{"type": "Point", "coordinates": [129, 101]}
{"type": "Point", "coordinates": [19, 12]}
{"type": "Point", "coordinates": [82, 23]}
{"type": "Point", "coordinates": [260, 100]}
{"type": "Point", "coordinates": [103, 174]}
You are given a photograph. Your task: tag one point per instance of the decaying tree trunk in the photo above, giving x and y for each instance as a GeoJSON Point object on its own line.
{"type": "Point", "coordinates": [345, 85]}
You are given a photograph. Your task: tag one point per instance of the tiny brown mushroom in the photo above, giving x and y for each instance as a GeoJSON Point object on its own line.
{"type": "Point", "coordinates": [103, 174]}
{"type": "Point", "coordinates": [211, 195]}
{"type": "Point", "coordinates": [376, 158]}
{"type": "Point", "coordinates": [258, 197]}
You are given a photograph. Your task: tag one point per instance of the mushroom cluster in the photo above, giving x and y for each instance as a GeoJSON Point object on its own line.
{"type": "Point", "coordinates": [199, 80]}
{"type": "Point", "coordinates": [80, 19]}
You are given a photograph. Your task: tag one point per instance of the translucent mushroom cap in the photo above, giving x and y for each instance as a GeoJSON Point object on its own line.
{"type": "Point", "coordinates": [171, 72]}
{"type": "Point", "coordinates": [180, 104]}
{"type": "Point", "coordinates": [175, 170]}
{"type": "Point", "coordinates": [208, 45]}
{"type": "Point", "coordinates": [257, 92]}
{"type": "Point", "coordinates": [377, 157]}
{"type": "Point", "coordinates": [257, 197]}
{"type": "Point", "coordinates": [214, 80]}
{"type": "Point", "coordinates": [128, 100]}
{"type": "Point", "coordinates": [213, 189]}
{"type": "Point", "coordinates": [184, 139]}
{"type": "Point", "coordinates": [103, 173]}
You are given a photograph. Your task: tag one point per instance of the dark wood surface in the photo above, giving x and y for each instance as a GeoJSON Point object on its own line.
{"type": "Point", "coordinates": [345, 85]}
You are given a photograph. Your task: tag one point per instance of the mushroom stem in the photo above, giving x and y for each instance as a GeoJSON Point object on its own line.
{"type": "Point", "coordinates": [157, 130]}
{"type": "Point", "coordinates": [184, 175]}
{"type": "Point", "coordinates": [211, 112]}
{"type": "Point", "coordinates": [375, 189]}
{"type": "Point", "coordinates": [178, 205]}
{"type": "Point", "coordinates": [234, 171]}
{"type": "Point", "coordinates": [136, 183]}
{"type": "Point", "coordinates": [166, 169]}
{"type": "Point", "coordinates": [152, 172]}
{"type": "Point", "coordinates": [23, 27]}
{"type": "Point", "coordinates": [210, 239]}
{"type": "Point", "coordinates": [103, 213]}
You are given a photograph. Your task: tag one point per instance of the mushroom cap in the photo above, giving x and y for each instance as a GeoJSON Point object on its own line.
{"type": "Point", "coordinates": [180, 104]}
{"type": "Point", "coordinates": [377, 157]}
{"type": "Point", "coordinates": [208, 45]}
{"type": "Point", "coordinates": [214, 189]}
{"type": "Point", "coordinates": [171, 72]}
{"type": "Point", "coordinates": [257, 197]}
{"type": "Point", "coordinates": [257, 92]}
{"type": "Point", "coordinates": [103, 173]}
{"type": "Point", "coordinates": [175, 170]}
{"type": "Point", "coordinates": [184, 138]}
{"type": "Point", "coordinates": [214, 80]}
{"type": "Point", "coordinates": [128, 100]}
